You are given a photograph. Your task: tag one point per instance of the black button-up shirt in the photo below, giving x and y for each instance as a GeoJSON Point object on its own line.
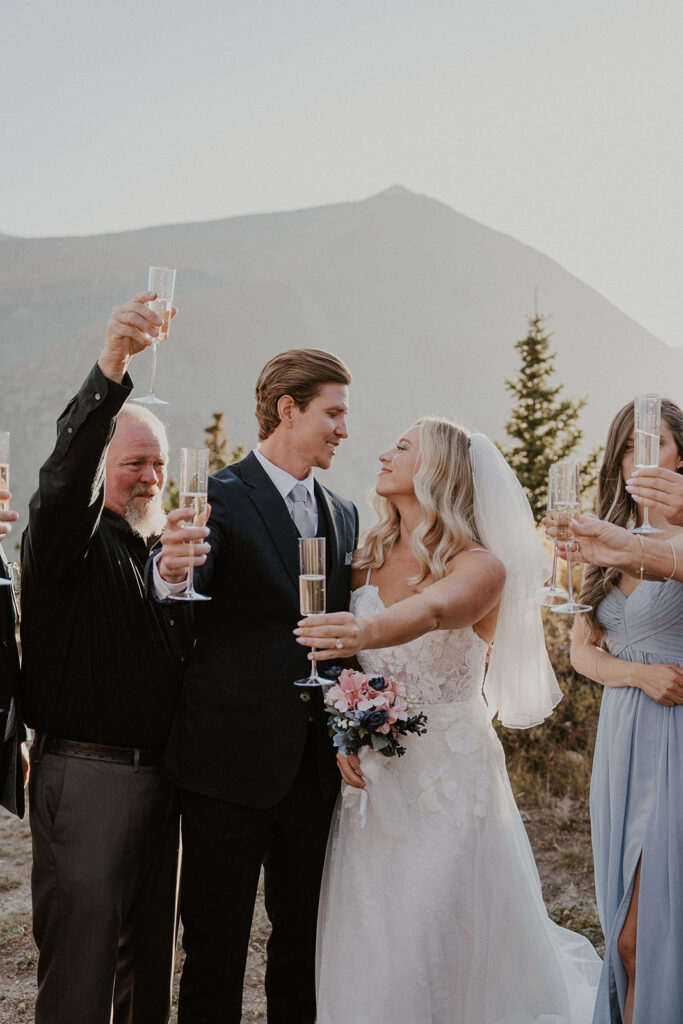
{"type": "Point", "coordinates": [101, 662]}
{"type": "Point", "coordinates": [9, 659]}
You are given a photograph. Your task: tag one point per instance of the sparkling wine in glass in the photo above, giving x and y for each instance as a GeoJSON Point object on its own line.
{"type": "Point", "coordinates": [546, 595]}
{"type": "Point", "coordinates": [161, 281]}
{"type": "Point", "coordinates": [194, 486]}
{"type": "Point", "coordinates": [312, 580]}
{"type": "Point", "coordinates": [646, 422]}
{"type": "Point", "coordinates": [4, 483]}
{"type": "Point", "coordinates": [565, 500]}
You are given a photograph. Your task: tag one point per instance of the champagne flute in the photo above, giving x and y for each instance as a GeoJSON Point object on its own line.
{"type": "Point", "coordinates": [4, 483]}
{"type": "Point", "coordinates": [546, 595]}
{"type": "Point", "coordinates": [194, 486]}
{"type": "Point", "coordinates": [162, 281]}
{"type": "Point", "coordinates": [646, 422]}
{"type": "Point", "coordinates": [565, 499]}
{"type": "Point", "coordinates": [312, 592]}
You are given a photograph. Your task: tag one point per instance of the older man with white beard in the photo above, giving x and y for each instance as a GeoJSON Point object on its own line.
{"type": "Point", "coordinates": [101, 676]}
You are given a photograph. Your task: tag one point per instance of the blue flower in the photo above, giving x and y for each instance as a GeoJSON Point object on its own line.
{"type": "Point", "coordinates": [330, 671]}
{"type": "Point", "coordinates": [378, 683]}
{"type": "Point", "coordinates": [372, 720]}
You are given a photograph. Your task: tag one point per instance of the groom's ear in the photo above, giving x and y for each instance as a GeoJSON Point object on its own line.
{"type": "Point", "coordinates": [285, 410]}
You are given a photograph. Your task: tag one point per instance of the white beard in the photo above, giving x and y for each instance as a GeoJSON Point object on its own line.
{"type": "Point", "coordinates": [149, 520]}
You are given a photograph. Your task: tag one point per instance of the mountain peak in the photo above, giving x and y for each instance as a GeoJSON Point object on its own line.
{"type": "Point", "coordinates": [393, 190]}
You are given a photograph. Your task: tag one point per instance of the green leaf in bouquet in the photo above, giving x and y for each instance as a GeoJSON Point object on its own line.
{"type": "Point", "coordinates": [379, 742]}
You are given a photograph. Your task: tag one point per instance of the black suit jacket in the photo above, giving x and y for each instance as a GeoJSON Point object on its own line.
{"type": "Point", "coordinates": [11, 776]}
{"type": "Point", "coordinates": [241, 726]}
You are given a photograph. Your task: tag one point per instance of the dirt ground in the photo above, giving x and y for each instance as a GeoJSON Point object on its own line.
{"type": "Point", "coordinates": [560, 837]}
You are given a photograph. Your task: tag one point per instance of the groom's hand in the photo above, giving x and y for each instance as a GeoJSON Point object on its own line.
{"type": "Point", "coordinates": [176, 554]}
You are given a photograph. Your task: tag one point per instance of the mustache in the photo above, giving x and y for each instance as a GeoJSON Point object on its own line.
{"type": "Point", "coordinates": [141, 491]}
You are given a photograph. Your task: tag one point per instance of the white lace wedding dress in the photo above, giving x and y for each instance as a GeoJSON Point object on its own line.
{"type": "Point", "coordinates": [432, 912]}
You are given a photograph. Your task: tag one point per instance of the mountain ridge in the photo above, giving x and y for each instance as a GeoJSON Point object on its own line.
{"type": "Point", "coordinates": [424, 304]}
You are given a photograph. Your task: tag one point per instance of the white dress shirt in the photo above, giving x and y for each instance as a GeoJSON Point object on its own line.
{"type": "Point", "coordinates": [284, 482]}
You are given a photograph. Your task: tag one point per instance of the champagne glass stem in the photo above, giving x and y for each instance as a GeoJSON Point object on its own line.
{"type": "Point", "coordinates": [155, 349]}
{"type": "Point", "coordinates": [570, 585]}
{"type": "Point", "coordinates": [553, 578]}
{"type": "Point", "coordinates": [314, 666]}
{"type": "Point", "coordinates": [193, 488]}
{"type": "Point", "coordinates": [190, 572]}
{"type": "Point", "coordinates": [646, 518]}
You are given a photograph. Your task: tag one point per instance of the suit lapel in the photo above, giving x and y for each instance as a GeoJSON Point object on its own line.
{"type": "Point", "coordinates": [272, 509]}
{"type": "Point", "coordinates": [328, 507]}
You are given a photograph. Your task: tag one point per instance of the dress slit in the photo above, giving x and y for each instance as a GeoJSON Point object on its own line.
{"type": "Point", "coordinates": [618, 978]}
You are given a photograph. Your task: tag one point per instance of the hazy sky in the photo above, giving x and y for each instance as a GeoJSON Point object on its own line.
{"type": "Point", "coordinates": [556, 122]}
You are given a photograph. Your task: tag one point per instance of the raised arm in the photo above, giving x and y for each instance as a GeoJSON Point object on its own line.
{"type": "Point", "coordinates": [464, 597]}
{"type": "Point", "coordinates": [66, 508]}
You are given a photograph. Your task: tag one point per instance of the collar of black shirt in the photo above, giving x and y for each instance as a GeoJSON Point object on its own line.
{"type": "Point", "coordinates": [122, 527]}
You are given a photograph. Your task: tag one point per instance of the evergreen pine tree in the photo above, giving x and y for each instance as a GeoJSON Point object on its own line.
{"type": "Point", "coordinates": [543, 426]}
{"type": "Point", "coordinates": [219, 456]}
{"type": "Point", "coordinates": [218, 445]}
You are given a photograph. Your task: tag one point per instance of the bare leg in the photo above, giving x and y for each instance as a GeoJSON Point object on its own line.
{"type": "Point", "coordinates": [627, 946]}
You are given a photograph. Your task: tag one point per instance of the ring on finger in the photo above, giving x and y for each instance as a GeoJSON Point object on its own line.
{"type": "Point", "coordinates": [338, 644]}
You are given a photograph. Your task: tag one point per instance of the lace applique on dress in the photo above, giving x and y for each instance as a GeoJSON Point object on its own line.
{"type": "Point", "coordinates": [442, 666]}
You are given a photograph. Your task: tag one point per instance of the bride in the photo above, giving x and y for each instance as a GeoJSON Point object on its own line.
{"type": "Point", "coordinates": [431, 909]}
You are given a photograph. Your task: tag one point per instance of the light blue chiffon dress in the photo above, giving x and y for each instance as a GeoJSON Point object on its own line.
{"type": "Point", "coordinates": [637, 809]}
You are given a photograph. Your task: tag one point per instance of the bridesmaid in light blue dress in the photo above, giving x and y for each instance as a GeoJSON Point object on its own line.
{"type": "Point", "coordinates": [632, 643]}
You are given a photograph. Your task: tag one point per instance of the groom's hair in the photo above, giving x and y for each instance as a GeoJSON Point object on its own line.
{"type": "Point", "coordinates": [299, 373]}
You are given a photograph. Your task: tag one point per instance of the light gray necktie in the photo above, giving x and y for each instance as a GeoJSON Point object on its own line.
{"type": "Point", "coordinates": [303, 520]}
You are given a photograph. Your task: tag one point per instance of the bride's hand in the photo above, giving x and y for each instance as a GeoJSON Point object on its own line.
{"type": "Point", "coordinates": [349, 767]}
{"type": "Point", "coordinates": [337, 635]}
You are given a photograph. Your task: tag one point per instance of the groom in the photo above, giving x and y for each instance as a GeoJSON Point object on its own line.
{"type": "Point", "coordinates": [248, 749]}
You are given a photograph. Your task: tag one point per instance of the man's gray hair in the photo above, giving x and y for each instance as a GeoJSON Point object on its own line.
{"type": "Point", "coordinates": [141, 414]}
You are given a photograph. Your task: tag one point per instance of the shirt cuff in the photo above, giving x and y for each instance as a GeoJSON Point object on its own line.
{"type": "Point", "coordinates": [162, 589]}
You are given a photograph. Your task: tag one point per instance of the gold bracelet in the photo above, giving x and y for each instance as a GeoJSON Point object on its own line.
{"type": "Point", "coordinates": [642, 557]}
{"type": "Point", "coordinates": [597, 662]}
{"type": "Point", "coordinates": [673, 555]}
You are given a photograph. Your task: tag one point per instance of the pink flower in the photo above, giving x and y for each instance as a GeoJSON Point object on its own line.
{"type": "Point", "coordinates": [350, 680]}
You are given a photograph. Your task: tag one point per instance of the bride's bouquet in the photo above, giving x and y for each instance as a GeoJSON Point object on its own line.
{"type": "Point", "coordinates": [370, 711]}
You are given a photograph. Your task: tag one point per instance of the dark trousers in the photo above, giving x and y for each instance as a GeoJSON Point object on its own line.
{"type": "Point", "coordinates": [224, 846]}
{"type": "Point", "coordinates": [104, 882]}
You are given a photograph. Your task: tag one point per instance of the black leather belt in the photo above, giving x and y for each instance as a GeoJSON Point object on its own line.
{"type": "Point", "coordinates": [100, 752]}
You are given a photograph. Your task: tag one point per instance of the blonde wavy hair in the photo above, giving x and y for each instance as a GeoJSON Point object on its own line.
{"type": "Point", "coordinates": [445, 493]}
